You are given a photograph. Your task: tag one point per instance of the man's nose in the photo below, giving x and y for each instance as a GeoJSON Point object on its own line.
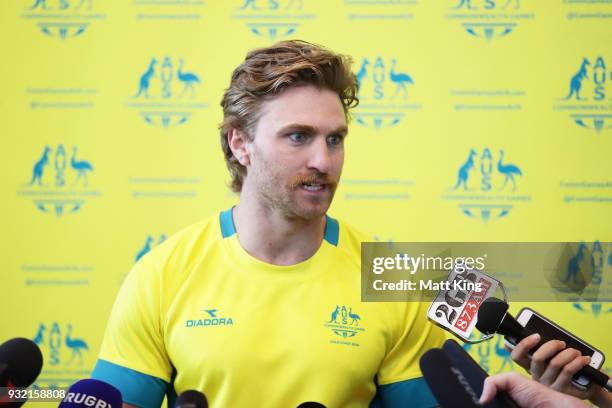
{"type": "Point", "coordinates": [320, 156]}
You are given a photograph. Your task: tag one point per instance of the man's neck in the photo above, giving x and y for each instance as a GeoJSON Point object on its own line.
{"type": "Point", "coordinates": [272, 237]}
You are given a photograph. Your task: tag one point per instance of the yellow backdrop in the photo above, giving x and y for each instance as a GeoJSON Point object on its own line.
{"type": "Point", "coordinates": [481, 120]}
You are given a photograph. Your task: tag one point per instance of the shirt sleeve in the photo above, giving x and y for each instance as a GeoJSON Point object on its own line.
{"type": "Point", "coordinates": [415, 335]}
{"type": "Point", "coordinates": [133, 357]}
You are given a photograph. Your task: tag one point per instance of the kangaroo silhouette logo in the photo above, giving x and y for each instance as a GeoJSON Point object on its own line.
{"type": "Point", "coordinates": [587, 93]}
{"type": "Point", "coordinates": [272, 19]}
{"type": "Point", "coordinates": [483, 174]}
{"type": "Point", "coordinates": [167, 93]}
{"type": "Point", "coordinates": [63, 352]}
{"type": "Point", "coordinates": [384, 92]}
{"type": "Point", "coordinates": [63, 19]}
{"type": "Point", "coordinates": [586, 266]}
{"type": "Point", "coordinates": [60, 180]}
{"type": "Point", "coordinates": [488, 19]}
{"type": "Point", "coordinates": [148, 245]}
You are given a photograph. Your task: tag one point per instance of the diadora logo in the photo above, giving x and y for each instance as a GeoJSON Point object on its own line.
{"type": "Point", "coordinates": [587, 96]}
{"type": "Point", "coordinates": [60, 181]}
{"type": "Point", "coordinates": [150, 242]}
{"type": "Point", "coordinates": [384, 91]}
{"type": "Point", "coordinates": [486, 185]}
{"type": "Point", "coordinates": [64, 355]}
{"type": "Point", "coordinates": [381, 10]}
{"type": "Point", "coordinates": [168, 92]}
{"type": "Point", "coordinates": [344, 323]}
{"type": "Point", "coordinates": [488, 19]}
{"type": "Point", "coordinates": [62, 18]}
{"type": "Point", "coordinates": [272, 19]}
{"type": "Point", "coordinates": [211, 318]}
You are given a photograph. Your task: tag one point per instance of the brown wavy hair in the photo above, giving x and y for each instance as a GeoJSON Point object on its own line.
{"type": "Point", "coordinates": [265, 73]}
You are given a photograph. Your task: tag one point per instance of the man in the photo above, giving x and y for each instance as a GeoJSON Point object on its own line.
{"type": "Point", "coordinates": [260, 305]}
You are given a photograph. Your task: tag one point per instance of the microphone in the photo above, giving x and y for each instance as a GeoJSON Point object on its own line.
{"type": "Point", "coordinates": [92, 393]}
{"type": "Point", "coordinates": [493, 317]}
{"type": "Point", "coordinates": [191, 399]}
{"type": "Point", "coordinates": [310, 404]}
{"type": "Point", "coordinates": [20, 362]}
{"type": "Point", "coordinates": [447, 383]}
{"type": "Point", "coordinates": [474, 374]}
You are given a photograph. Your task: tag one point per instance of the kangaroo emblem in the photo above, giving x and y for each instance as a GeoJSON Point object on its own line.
{"type": "Point", "coordinates": [145, 79]}
{"type": "Point", "coordinates": [464, 171]}
{"type": "Point", "coordinates": [573, 266]}
{"type": "Point", "coordinates": [334, 315]}
{"type": "Point", "coordinates": [39, 167]}
{"type": "Point", "coordinates": [576, 82]}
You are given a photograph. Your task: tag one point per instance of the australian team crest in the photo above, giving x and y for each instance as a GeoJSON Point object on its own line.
{"type": "Point", "coordinates": [63, 19]}
{"type": "Point", "coordinates": [487, 185]}
{"type": "Point", "coordinates": [60, 181]}
{"type": "Point", "coordinates": [586, 94]}
{"type": "Point", "coordinates": [272, 19]}
{"type": "Point", "coordinates": [167, 92]}
{"type": "Point", "coordinates": [344, 323]}
{"type": "Point", "coordinates": [488, 19]}
{"type": "Point", "coordinates": [385, 92]}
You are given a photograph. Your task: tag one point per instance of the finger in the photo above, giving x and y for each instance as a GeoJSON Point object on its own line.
{"type": "Point", "coordinates": [569, 370]}
{"type": "Point", "coordinates": [520, 354]}
{"type": "Point", "coordinates": [539, 360]}
{"type": "Point", "coordinates": [556, 364]}
{"type": "Point", "coordinates": [493, 384]}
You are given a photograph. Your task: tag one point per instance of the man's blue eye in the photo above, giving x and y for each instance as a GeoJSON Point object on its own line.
{"type": "Point", "coordinates": [297, 137]}
{"type": "Point", "coordinates": [335, 139]}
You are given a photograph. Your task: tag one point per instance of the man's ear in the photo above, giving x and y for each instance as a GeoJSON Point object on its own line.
{"type": "Point", "coordinates": [238, 143]}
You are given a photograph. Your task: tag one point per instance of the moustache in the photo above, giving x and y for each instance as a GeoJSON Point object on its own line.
{"type": "Point", "coordinates": [313, 178]}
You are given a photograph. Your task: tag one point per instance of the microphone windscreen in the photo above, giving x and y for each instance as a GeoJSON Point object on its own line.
{"type": "Point", "coordinates": [191, 399]}
{"type": "Point", "coordinates": [447, 383]}
{"type": "Point", "coordinates": [490, 315]}
{"type": "Point", "coordinates": [92, 393]}
{"type": "Point", "coordinates": [311, 404]}
{"type": "Point", "coordinates": [23, 360]}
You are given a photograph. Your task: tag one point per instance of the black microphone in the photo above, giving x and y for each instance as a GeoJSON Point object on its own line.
{"type": "Point", "coordinates": [447, 383]}
{"type": "Point", "coordinates": [474, 373]}
{"type": "Point", "coordinates": [493, 317]}
{"type": "Point", "coordinates": [310, 404]}
{"type": "Point", "coordinates": [20, 362]}
{"type": "Point", "coordinates": [92, 393]}
{"type": "Point", "coordinates": [191, 399]}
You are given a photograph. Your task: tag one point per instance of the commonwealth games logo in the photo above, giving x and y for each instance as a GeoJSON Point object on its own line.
{"type": "Point", "coordinates": [345, 324]}
{"type": "Point", "coordinates": [587, 94]}
{"type": "Point", "coordinates": [168, 92]}
{"type": "Point", "coordinates": [488, 19]}
{"type": "Point", "coordinates": [385, 91]}
{"type": "Point", "coordinates": [272, 19]}
{"type": "Point", "coordinates": [60, 181]}
{"type": "Point", "coordinates": [486, 185]}
{"type": "Point", "coordinates": [62, 19]}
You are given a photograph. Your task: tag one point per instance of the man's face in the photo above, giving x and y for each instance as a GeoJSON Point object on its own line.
{"type": "Point", "coordinates": [297, 152]}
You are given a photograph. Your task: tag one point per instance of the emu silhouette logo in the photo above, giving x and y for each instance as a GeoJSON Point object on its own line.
{"type": "Point", "coordinates": [588, 91]}
{"type": "Point", "coordinates": [272, 19]}
{"type": "Point", "coordinates": [491, 179]}
{"type": "Point", "coordinates": [60, 180]}
{"type": "Point", "coordinates": [167, 92]}
{"type": "Point", "coordinates": [384, 90]}
{"type": "Point", "coordinates": [62, 19]}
